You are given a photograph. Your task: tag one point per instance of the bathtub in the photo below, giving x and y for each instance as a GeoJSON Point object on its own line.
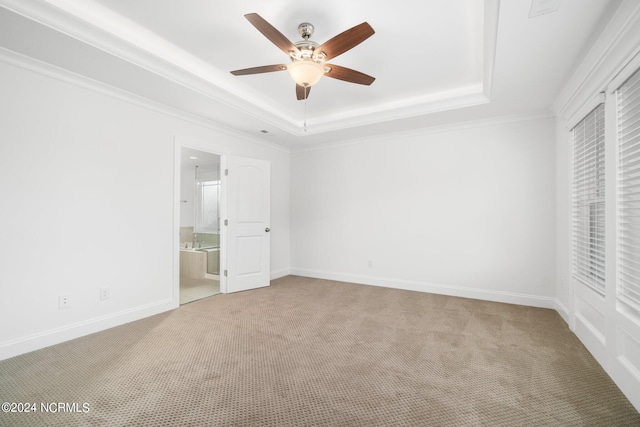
{"type": "Point", "coordinates": [200, 262]}
{"type": "Point", "coordinates": [199, 246]}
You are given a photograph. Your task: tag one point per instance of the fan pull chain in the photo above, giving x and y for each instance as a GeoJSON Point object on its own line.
{"type": "Point", "coordinates": [305, 108]}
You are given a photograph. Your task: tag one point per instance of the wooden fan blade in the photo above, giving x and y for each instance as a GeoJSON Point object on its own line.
{"type": "Point", "coordinates": [258, 70]}
{"type": "Point", "coordinates": [300, 92]}
{"type": "Point", "coordinates": [346, 40]}
{"type": "Point", "coordinates": [348, 75]}
{"type": "Point", "coordinates": [270, 32]}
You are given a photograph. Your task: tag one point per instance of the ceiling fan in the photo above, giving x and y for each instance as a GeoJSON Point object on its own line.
{"type": "Point", "coordinates": [308, 59]}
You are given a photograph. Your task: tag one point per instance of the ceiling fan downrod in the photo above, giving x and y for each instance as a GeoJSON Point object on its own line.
{"type": "Point", "coordinates": [306, 30]}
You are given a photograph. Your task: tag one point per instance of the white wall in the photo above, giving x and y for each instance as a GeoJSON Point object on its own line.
{"type": "Point", "coordinates": [467, 210]}
{"type": "Point", "coordinates": [87, 201]}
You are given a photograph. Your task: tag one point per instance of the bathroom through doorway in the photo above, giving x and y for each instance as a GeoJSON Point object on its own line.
{"type": "Point", "coordinates": [200, 191]}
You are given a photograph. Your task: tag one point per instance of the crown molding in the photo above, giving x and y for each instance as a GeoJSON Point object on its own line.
{"type": "Point", "coordinates": [490, 30]}
{"type": "Point", "coordinates": [417, 106]}
{"type": "Point", "coordinates": [51, 71]}
{"type": "Point", "coordinates": [471, 95]}
{"type": "Point", "coordinates": [97, 26]}
{"type": "Point", "coordinates": [102, 29]}
{"type": "Point", "coordinates": [608, 55]}
{"type": "Point", "coordinates": [433, 130]}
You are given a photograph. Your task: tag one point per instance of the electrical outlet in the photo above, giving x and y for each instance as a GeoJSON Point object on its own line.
{"type": "Point", "coordinates": [105, 294]}
{"type": "Point", "coordinates": [64, 301]}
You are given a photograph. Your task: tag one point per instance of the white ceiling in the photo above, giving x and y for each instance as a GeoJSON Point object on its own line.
{"type": "Point", "coordinates": [435, 62]}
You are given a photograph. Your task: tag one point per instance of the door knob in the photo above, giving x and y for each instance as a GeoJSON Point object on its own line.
{"type": "Point", "coordinates": [266, 230]}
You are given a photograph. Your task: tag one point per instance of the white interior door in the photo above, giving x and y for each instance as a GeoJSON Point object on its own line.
{"type": "Point", "coordinates": [248, 259]}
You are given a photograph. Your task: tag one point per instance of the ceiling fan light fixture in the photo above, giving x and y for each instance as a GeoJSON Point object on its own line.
{"type": "Point", "coordinates": [308, 58]}
{"type": "Point", "coordinates": [305, 73]}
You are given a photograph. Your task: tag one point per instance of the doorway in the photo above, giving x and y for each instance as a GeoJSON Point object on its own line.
{"type": "Point", "coordinates": [200, 193]}
{"type": "Point", "coordinates": [241, 217]}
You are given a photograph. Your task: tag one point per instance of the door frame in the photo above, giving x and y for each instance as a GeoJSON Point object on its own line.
{"type": "Point", "coordinates": [207, 147]}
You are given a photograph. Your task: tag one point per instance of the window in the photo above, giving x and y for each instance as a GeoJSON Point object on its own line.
{"type": "Point", "coordinates": [628, 105]}
{"type": "Point", "coordinates": [588, 200]}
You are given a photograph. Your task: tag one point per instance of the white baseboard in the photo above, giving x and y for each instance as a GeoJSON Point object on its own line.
{"type": "Point", "coordinates": [627, 378]}
{"type": "Point", "coordinates": [280, 273]}
{"type": "Point", "coordinates": [456, 291]}
{"type": "Point", "coordinates": [55, 336]}
{"type": "Point", "coordinates": [563, 311]}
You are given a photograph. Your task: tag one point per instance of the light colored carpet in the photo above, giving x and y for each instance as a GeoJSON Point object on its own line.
{"type": "Point", "coordinates": [308, 352]}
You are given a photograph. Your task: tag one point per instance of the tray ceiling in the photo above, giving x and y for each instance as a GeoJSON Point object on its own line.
{"type": "Point", "coordinates": [434, 62]}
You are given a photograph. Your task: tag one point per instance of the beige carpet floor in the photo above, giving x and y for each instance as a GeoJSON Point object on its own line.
{"type": "Point", "coordinates": [308, 352]}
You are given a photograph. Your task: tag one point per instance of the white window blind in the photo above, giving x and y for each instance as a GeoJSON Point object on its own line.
{"type": "Point", "coordinates": [588, 200]}
{"type": "Point", "coordinates": [628, 96]}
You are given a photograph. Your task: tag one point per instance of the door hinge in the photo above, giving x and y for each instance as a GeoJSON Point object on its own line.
{"type": "Point", "coordinates": [226, 222]}
{"type": "Point", "coordinates": [226, 172]}
{"type": "Point", "coordinates": [225, 273]}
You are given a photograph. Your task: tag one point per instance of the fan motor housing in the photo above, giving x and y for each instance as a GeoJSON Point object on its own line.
{"type": "Point", "coordinates": [306, 47]}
